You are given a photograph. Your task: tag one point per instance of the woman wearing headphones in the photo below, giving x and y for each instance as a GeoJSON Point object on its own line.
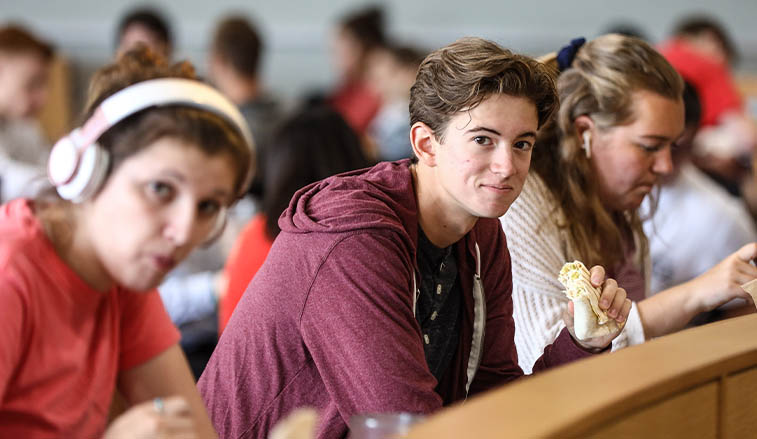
{"type": "Point", "coordinates": [621, 112]}
{"type": "Point", "coordinates": [145, 180]}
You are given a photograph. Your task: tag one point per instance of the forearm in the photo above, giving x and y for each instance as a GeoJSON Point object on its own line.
{"type": "Point", "coordinates": [167, 375]}
{"type": "Point", "coordinates": [668, 311]}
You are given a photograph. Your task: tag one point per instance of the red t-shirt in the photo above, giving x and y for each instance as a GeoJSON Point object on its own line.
{"type": "Point", "coordinates": [357, 104]}
{"type": "Point", "coordinates": [712, 80]}
{"type": "Point", "coordinates": [248, 254]}
{"type": "Point", "coordinates": [62, 343]}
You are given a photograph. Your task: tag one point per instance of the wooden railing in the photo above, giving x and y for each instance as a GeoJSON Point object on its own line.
{"type": "Point", "coordinates": [698, 383]}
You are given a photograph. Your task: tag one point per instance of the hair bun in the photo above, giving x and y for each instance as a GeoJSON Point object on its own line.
{"type": "Point", "coordinates": [136, 65]}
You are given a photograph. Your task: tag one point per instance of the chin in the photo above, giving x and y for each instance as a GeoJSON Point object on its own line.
{"type": "Point", "coordinates": [141, 285]}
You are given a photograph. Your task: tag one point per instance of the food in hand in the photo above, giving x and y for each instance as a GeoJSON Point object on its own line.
{"type": "Point", "coordinates": [589, 320]}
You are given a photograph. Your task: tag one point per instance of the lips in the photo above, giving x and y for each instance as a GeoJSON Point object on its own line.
{"type": "Point", "coordinates": [164, 263]}
{"type": "Point", "coordinates": [498, 187]}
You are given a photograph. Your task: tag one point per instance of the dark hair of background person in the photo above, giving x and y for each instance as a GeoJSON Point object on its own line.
{"type": "Point", "coordinates": [312, 144]}
{"type": "Point", "coordinates": [367, 26]}
{"type": "Point", "coordinates": [237, 42]}
{"type": "Point", "coordinates": [692, 105]}
{"type": "Point", "coordinates": [692, 114]}
{"type": "Point", "coordinates": [15, 39]}
{"type": "Point", "coordinates": [210, 132]}
{"type": "Point", "coordinates": [626, 28]}
{"type": "Point", "coordinates": [151, 19]}
{"type": "Point", "coordinates": [408, 56]}
{"type": "Point", "coordinates": [698, 24]}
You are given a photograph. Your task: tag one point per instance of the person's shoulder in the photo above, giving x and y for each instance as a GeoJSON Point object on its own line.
{"type": "Point", "coordinates": [21, 231]}
{"type": "Point", "coordinates": [23, 247]}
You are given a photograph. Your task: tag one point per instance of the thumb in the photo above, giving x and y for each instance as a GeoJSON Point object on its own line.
{"type": "Point", "coordinates": [747, 252]}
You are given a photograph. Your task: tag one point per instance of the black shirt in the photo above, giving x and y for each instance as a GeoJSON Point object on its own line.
{"type": "Point", "coordinates": [439, 304]}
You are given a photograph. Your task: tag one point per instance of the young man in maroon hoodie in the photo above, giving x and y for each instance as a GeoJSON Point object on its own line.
{"type": "Point", "coordinates": [389, 289]}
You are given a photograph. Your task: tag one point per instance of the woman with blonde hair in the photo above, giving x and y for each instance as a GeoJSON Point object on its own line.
{"type": "Point", "coordinates": [621, 112]}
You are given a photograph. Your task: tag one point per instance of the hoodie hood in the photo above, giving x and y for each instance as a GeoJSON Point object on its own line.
{"type": "Point", "coordinates": [381, 197]}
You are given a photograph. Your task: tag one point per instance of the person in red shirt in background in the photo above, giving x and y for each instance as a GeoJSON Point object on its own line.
{"type": "Point", "coordinates": [311, 145]}
{"type": "Point", "coordinates": [356, 36]}
{"type": "Point", "coordinates": [144, 181]}
{"type": "Point", "coordinates": [703, 54]}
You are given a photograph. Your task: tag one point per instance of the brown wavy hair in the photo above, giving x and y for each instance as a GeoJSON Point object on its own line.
{"type": "Point", "coordinates": [600, 83]}
{"type": "Point", "coordinates": [460, 76]}
{"type": "Point", "coordinates": [208, 131]}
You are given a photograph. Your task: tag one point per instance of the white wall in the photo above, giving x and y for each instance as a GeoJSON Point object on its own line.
{"type": "Point", "coordinates": [297, 31]}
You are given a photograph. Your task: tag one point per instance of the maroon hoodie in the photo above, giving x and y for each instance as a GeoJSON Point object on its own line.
{"type": "Point", "coordinates": [328, 321]}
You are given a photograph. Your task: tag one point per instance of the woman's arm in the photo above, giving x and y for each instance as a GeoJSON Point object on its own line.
{"type": "Point", "coordinates": [672, 309]}
{"type": "Point", "coordinates": [167, 375]}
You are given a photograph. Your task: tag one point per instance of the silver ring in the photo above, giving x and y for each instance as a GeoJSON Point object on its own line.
{"type": "Point", "coordinates": [157, 404]}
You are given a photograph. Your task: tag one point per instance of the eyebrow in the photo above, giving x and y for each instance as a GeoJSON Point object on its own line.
{"type": "Point", "coordinates": [173, 174]}
{"type": "Point", "coordinates": [489, 130]}
{"type": "Point", "coordinates": [656, 137]}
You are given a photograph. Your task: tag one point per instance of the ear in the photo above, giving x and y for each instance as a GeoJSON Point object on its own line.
{"type": "Point", "coordinates": [423, 142]}
{"type": "Point", "coordinates": [583, 123]}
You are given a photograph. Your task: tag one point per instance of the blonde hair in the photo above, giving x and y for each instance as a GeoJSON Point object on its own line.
{"type": "Point", "coordinates": [600, 83]}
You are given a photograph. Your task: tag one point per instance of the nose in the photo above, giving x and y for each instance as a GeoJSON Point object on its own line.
{"type": "Point", "coordinates": [181, 225]}
{"type": "Point", "coordinates": [502, 161]}
{"type": "Point", "coordinates": [663, 162]}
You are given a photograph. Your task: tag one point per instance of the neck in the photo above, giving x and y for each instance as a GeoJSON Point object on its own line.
{"type": "Point", "coordinates": [68, 235]}
{"type": "Point", "coordinates": [241, 90]}
{"type": "Point", "coordinates": [443, 224]}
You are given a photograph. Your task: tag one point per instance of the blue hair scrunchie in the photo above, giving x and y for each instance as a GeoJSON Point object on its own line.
{"type": "Point", "coordinates": [566, 55]}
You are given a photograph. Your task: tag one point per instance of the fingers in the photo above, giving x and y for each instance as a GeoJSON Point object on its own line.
{"type": "Point", "coordinates": [173, 426]}
{"type": "Point", "coordinates": [175, 419]}
{"type": "Point", "coordinates": [597, 275]}
{"type": "Point", "coordinates": [624, 311]}
{"type": "Point", "coordinates": [609, 291]}
{"type": "Point", "coordinates": [175, 406]}
{"type": "Point", "coordinates": [747, 252]}
{"type": "Point", "coordinates": [616, 309]}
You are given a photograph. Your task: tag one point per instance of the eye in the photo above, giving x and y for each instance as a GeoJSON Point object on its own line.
{"type": "Point", "coordinates": [160, 190]}
{"type": "Point", "coordinates": [523, 145]}
{"type": "Point", "coordinates": [483, 140]}
{"type": "Point", "coordinates": [651, 148]}
{"type": "Point", "coordinates": [209, 208]}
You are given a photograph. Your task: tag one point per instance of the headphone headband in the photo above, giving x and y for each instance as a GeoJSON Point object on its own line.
{"type": "Point", "coordinates": [161, 92]}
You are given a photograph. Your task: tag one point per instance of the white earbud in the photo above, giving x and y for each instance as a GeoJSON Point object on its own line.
{"type": "Point", "coordinates": [587, 143]}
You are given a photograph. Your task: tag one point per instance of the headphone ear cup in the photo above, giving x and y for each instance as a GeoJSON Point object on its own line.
{"type": "Point", "coordinates": [93, 166]}
{"type": "Point", "coordinates": [63, 160]}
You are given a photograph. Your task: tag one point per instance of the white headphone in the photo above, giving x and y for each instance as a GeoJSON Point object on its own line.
{"type": "Point", "coordinates": [587, 143]}
{"type": "Point", "coordinates": [77, 165]}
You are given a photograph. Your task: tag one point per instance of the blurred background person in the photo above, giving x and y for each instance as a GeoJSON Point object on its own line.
{"type": "Point", "coordinates": [696, 222]}
{"type": "Point", "coordinates": [312, 144]}
{"type": "Point", "coordinates": [357, 34]}
{"type": "Point", "coordinates": [24, 67]}
{"type": "Point", "coordinates": [234, 68]}
{"type": "Point", "coordinates": [148, 26]}
{"type": "Point", "coordinates": [703, 53]}
{"type": "Point", "coordinates": [391, 73]}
